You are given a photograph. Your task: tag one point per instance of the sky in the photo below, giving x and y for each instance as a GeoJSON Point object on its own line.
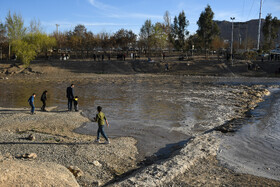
{"type": "Point", "coordinates": [112, 15]}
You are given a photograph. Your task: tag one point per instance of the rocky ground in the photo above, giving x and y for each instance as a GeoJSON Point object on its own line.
{"type": "Point", "coordinates": [56, 146]}
{"type": "Point", "coordinates": [208, 172]}
{"type": "Point", "coordinates": [56, 156]}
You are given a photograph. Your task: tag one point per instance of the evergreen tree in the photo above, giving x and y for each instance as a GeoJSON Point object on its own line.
{"type": "Point", "coordinates": [3, 33]}
{"type": "Point", "coordinates": [207, 28]}
{"type": "Point", "coordinates": [179, 31]}
{"type": "Point", "coordinates": [270, 30]}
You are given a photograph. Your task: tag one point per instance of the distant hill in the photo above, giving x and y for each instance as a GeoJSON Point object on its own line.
{"type": "Point", "coordinates": [243, 31]}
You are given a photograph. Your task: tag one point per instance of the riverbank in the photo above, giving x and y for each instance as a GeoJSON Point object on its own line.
{"type": "Point", "coordinates": [196, 66]}
{"type": "Point", "coordinates": [55, 142]}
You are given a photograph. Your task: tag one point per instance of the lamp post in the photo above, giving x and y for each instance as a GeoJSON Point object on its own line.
{"type": "Point", "coordinates": [57, 25]}
{"type": "Point", "coordinates": [259, 29]}
{"type": "Point", "coordinates": [231, 44]}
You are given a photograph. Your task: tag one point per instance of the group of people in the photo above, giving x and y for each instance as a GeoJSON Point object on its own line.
{"type": "Point", "coordinates": [100, 117]}
{"type": "Point", "coordinates": [43, 99]}
{"type": "Point", "coordinates": [71, 98]}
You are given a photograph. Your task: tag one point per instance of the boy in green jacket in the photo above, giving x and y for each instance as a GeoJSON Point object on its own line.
{"type": "Point", "coordinates": [101, 119]}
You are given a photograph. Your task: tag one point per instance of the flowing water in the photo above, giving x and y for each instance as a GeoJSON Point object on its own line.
{"type": "Point", "coordinates": [255, 149]}
{"type": "Point", "coordinates": [160, 111]}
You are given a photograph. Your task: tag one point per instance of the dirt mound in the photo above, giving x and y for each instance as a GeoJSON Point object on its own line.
{"type": "Point", "coordinates": [15, 69]}
{"type": "Point", "coordinates": [32, 173]}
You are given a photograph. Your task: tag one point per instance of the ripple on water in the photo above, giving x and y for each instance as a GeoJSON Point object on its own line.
{"type": "Point", "coordinates": [255, 149]}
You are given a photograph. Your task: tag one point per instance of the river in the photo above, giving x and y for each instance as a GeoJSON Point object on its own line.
{"type": "Point", "coordinates": [163, 112]}
{"type": "Point", "coordinates": [255, 148]}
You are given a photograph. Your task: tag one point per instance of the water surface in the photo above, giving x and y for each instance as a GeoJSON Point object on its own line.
{"type": "Point", "coordinates": [159, 111]}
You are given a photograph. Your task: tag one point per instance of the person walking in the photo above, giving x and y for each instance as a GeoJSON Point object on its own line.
{"type": "Point", "coordinates": [44, 99]}
{"type": "Point", "coordinates": [31, 103]}
{"type": "Point", "coordinates": [101, 119]}
{"type": "Point", "coordinates": [70, 96]}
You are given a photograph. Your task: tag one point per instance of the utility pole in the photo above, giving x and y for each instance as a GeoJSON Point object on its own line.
{"type": "Point", "coordinates": [259, 31]}
{"type": "Point", "coordinates": [57, 25]}
{"type": "Point", "coordinates": [231, 44]}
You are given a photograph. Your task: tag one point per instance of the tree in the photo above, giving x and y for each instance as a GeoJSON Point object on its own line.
{"type": "Point", "coordinates": [25, 51]}
{"type": "Point", "coordinates": [124, 38]}
{"type": "Point", "coordinates": [15, 28]}
{"type": "Point", "coordinates": [104, 40]}
{"type": "Point", "coordinates": [73, 42]}
{"type": "Point", "coordinates": [35, 26]}
{"type": "Point", "coordinates": [40, 41]}
{"type": "Point", "coordinates": [89, 42]}
{"type": "Point", "coordinates": [194, 42]}
{"type": "Point", "coordinates": [179, 31]}
{"type": "Point", "coordinates": [3, 33]}
{"type": "Point", "coordinates": [168, 29]}
{"type": "Point", "coordinates": [159, 36]}
{"type": "Point", "coordinates": [270, 30]}
{"type": "Point", "coordinates": [80, 30]}
{"type": "Point", "coordinates": [207, 28]}
{"type": "Point", "coordinates": [146, 32]}
{"type": "Point", "coordinates": [62, 39]}
{"type": "Point", "coordinates": [3, 38]}
{"type": "Point", "coordinates": [31, 45]}
{"type": "Point", "coordinates": [217, 43]}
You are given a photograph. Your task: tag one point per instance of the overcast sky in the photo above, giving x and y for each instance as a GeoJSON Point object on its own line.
{"type": "Point", "coordinates": [112, 15]}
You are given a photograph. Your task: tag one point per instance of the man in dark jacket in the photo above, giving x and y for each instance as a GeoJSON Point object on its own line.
{"type": "Point", "coordinates": [43, 99]}
{"type": "Point", "coordinates": [70, 96]}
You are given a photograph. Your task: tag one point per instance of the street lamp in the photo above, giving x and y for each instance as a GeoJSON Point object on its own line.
{"type": "Point", "coordinates": [231, 45]}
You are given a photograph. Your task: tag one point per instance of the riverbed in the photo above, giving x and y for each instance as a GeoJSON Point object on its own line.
{"type": "Point", "coordinates": [161, 112]}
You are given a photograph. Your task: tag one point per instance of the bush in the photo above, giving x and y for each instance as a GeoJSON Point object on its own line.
{"type": "Point", "coordinates": [250, 55]}
{"type": "Point", "coordinates": [25, 52]}
{"type": "Point", "coordinates": [30, 45]}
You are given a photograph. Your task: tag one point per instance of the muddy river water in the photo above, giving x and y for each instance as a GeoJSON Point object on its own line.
{"type": "Point", "coordinates": [162, 112]}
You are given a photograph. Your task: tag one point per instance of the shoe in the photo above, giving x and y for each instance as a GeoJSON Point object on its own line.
{"type": "Point", "coordinates": [96, 141]}
{"type": "Point", "coordinates": [107, 142]}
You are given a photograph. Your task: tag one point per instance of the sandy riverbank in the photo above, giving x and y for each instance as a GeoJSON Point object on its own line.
{"type": "Point", "coordinates": [56, 143]}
